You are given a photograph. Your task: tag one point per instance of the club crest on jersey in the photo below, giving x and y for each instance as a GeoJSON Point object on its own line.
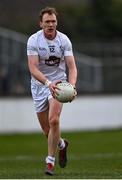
{"type": "Point", "coordinates": [62, 49]}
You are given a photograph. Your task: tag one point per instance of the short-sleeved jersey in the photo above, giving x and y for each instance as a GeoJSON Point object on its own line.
{"type": "Point", "coordinates": [51, 54]}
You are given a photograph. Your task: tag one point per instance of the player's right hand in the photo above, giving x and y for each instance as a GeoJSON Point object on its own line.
{"type": "Point", "coordinates": [52, 86]}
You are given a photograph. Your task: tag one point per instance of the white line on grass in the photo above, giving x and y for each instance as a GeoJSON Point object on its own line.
{"type": "Point", "coordinates": [70, 157]}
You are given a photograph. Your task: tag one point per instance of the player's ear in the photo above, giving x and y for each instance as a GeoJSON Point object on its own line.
{"type": "Point", "coordinates": [40, 24]}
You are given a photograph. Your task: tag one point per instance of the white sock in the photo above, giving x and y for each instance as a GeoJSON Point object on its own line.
{"type": "Point", "coordinates": [50, 159]}
{"type": "Point", "coordinates": [61, 144]}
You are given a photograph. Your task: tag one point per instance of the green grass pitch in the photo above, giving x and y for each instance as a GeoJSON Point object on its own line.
{"type": "Point", "coordinates": [91, 155]}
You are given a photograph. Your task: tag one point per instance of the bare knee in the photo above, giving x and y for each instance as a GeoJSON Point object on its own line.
{"type": "Point", "coordinates": [54, 121]}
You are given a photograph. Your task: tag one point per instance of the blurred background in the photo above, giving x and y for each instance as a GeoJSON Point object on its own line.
{"type": "Point", "coordinates": [95, 29]}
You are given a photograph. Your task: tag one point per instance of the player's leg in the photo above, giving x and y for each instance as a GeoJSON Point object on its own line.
{"type": "Point", "coordinates": [54, 133]}
{"type": "Point", "coordinates": [55, 108]}
{"type": "Point", "coordinates": [44, 123]}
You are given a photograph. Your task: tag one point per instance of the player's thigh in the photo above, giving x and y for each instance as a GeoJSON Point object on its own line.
{"type": "Point", "coordinates": [55, 108]}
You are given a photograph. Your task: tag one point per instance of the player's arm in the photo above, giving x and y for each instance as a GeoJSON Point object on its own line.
{"type": "Point", "coordinates": [33, 62]}
{"type": "Point", "coordinates": [70, 61]}
{"type": "Point", "coordinates": [72, 76]}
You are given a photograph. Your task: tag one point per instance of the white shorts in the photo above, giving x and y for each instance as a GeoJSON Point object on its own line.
{"type": "Point", "coordinates": [41, 96]}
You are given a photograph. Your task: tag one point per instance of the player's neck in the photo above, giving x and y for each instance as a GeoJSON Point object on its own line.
{"type": "Point", "coordinates": [50, 36]}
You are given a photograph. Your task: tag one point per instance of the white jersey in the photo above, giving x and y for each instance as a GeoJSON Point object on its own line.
{"type": "Point", "coordinates": [51, 54]}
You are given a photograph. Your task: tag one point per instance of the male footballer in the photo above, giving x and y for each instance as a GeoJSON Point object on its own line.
{"type": "Point", "coordinates": [49, 52]}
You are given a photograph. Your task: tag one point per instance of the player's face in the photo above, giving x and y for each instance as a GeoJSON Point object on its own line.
{"type": "Point", "coordinates": [49, 24]}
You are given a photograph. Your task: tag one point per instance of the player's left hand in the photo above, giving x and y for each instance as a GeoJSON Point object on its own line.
{"type": "Point", "coordinates": [75, 94]}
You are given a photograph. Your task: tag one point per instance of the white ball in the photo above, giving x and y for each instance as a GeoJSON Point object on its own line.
{"type": "Point", "coordinates": [65, 93]}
